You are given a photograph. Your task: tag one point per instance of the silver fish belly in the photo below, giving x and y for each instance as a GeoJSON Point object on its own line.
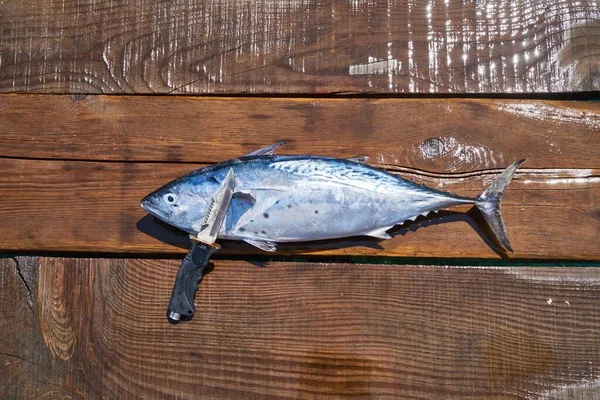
{"type": "Point", "coordinates": [305, 198]}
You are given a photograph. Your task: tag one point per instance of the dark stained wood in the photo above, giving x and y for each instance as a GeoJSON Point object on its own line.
{"type": "Point", "coordinates": [307, 46]}
{"type": "Point", "coordinates": [28, 369]}
{"type": "Point", "coordinates": [94, 206]}
{"type": "Point", "coordinates": [302, 330]}
{"type": "Point", "coordinates": [437, 135]}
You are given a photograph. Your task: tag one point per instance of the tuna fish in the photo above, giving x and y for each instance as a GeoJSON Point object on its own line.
{"type": "Point", "coordinates": [304, 198]}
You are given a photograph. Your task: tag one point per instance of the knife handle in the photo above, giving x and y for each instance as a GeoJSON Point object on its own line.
{"type": "Point", "coordinates": [190, 274]}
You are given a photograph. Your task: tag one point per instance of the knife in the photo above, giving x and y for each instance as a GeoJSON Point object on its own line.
{"type": "Point", "coordinates": [194, 265]}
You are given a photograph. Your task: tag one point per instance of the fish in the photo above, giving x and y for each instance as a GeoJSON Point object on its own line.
{"type": "Point", "coordinates": [300, 198]}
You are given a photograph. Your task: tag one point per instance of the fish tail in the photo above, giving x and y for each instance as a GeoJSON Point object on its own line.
{"type": "Point", "coordinates": [488, 204]}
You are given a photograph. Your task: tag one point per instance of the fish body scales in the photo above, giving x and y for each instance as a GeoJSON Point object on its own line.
{"type": "Point", "coordinates": [313, 198]}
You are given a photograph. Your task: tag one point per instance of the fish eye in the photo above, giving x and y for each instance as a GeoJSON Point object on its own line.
{"type": "Point", "coordinates": [170, 198]}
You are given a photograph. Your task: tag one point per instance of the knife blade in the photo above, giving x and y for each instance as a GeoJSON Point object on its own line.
{"type": "Point", "coordinates": [194, 265]}
{"type": "Point", "coordinates": [217, 210]}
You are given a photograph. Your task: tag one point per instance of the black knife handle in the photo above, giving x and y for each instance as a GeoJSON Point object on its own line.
{"type": "Point", "coordinates": [190, 274]}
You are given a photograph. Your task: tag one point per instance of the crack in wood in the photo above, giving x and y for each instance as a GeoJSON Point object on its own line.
{"type": "Point", "coordinates": [17, 357]}
{"type": "Point", "coordinates": [25, 268]}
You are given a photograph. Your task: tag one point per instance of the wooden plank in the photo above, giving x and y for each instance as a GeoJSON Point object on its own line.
{"type": "Point", "coordinates": [94, 206]}
{"type": "Point", "coordinates": [435, 135]}
{"type": "Point", "coordinates": [306, 46]}
{"type": "Point", "coordinates": [305, 331]}
{"type": "Point", "coordinates": [75, 168]}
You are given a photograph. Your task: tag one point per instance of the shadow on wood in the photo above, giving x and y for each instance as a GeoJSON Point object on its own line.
{"type": "Point", "coordinates": [165, 233]}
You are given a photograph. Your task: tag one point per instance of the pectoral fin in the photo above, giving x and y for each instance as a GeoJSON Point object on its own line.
{"type": "Point", "coordinates": [263, 245]}
{"type": "Point", "coordinates": [380, 233]}
{"type": "Point", "coordinates": [266, 151]}
{"type": "Point", "coordinates": [240, 203]}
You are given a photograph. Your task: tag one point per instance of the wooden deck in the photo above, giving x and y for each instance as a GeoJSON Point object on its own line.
{"type": "Point", "coordinates": [437, 312]}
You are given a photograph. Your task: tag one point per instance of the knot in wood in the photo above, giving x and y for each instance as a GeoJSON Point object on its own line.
{"type": "Point", "coordinates": [434, 148]}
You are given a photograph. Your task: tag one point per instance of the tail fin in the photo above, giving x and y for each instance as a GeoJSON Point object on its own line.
{"type": "Point", "coordinates": [488, 204]}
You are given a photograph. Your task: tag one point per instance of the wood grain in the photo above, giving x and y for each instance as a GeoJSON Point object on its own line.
{"type": "Point", "coordinates": [306, 330]}
{"type": "Point", "coordinates": [303, 46]}
{"type": "Point", "coordinates": [94, 206]}
{"type": "Point", "coordinates": [437, 135]}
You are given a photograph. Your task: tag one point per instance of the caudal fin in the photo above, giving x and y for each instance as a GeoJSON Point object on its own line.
{"type": "Point", "coordinates": [488, 203]}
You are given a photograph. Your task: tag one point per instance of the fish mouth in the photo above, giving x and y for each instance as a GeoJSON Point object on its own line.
{"type": "Point", "coordinates": [146, 204]}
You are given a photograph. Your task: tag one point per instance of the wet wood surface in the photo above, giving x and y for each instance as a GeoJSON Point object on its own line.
{"type": "Point", "coordinates": [96, 328]}
{"type": "Point", "coordinates": [74, 170]}
{"type": "Point", "coordinates": [301, 46]}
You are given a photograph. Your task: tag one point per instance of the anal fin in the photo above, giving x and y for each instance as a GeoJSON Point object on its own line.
{"type": "Point", "coordinates": [263, 245]}
{"type": "Point", "coordinates": [380, 233]}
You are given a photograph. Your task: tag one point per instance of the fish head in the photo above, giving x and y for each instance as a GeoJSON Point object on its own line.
{"type": "Point", "coordinates": [184, 202]}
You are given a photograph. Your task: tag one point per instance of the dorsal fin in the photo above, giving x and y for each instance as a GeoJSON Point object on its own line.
{"type": "Point", "coordinates": [266, 151]}
{"type": "Point", "coordinates": [360, 159]}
